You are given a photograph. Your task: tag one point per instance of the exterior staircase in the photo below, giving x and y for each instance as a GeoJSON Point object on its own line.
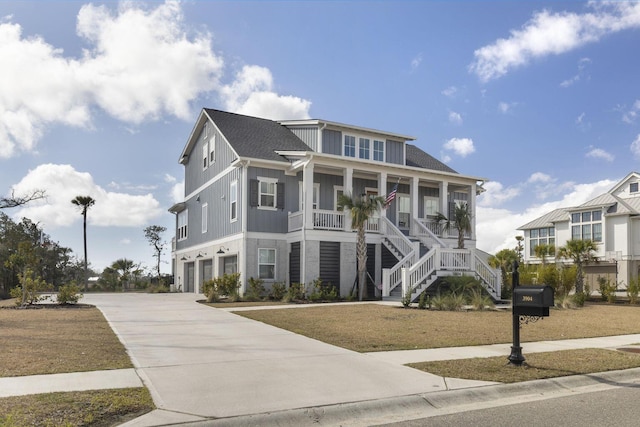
{"type": "Point", "coordinates": [414, 273]}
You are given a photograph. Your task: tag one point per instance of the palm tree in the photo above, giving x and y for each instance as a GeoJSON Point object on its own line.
{"type": "Point", "coordinates": [581, 252]}
{"type": "Point", "coordinates": [503, 260]}
{"type": "Point", "coordinates": [461, 221]}
{"type": "Point", "coordinates": [543, 251]}
{"type": "Point", "coordinates": [124, 268]}
{"type": "Point", "coordinates": [84, 203]}
{"type": "Point", "coordinates": [362, 208]}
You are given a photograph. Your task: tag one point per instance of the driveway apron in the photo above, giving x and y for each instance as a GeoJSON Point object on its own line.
{"type": "Point", "coordinates": [207, 362]}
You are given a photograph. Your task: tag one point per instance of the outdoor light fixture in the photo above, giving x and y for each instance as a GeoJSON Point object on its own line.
{"type": "Point", "coordinates": [184, 258]}
{"type": "Point", "coordinates": [222, 250]}
{"type": "Point", "coordinates": [200, 255]}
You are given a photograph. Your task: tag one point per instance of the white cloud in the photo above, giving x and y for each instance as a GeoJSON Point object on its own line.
{"type": "Point", "coordinates": [455, 118]}
{"type": "Point", "coordinates": [582, 65]}
{"type": "Point", "coordinates": [125, 241]}
{"type": "Point", "coordinates": [598, 153]}
{"type": "Point", "coordinates": [496, 194]}
{"type": "Point", "coordinates": [635, 147]}
{"type": "Point", "coordinates": [169, 178]}
{"type": "Point", "coordinates": [62, 183]}
{"type": "Point", "coordinates": [450, 91]}
{"type": "Point", "coordinates": [539, 177]}
{"type": "Point", "coordinates": [445, 157]}
{"type": "Point", "coordinates": [496, 228]}
{"type": "Point", "coordinates": [630, 115]}
{"type": "Point", "coordinates": [252, 93]}
{"type": "Point", "coordinates": [177, 192]}
{"type": "Point", "coordinates": [553, 34]}
{"type": "Point", "coordinates": [506, 107]}
{"type": "Point", "coordinates": [415, 62]}
{"type": "Point", "coordinates": [461, 146]}
{"type": "Point", "coordinates": [141, 63]}
{"type": "Point", "coordinates": [580, 118]}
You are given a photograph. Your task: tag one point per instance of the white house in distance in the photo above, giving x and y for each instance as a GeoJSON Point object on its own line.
{"type": "Point", "coordinates": [612, 220]}
{"type": "Point", "coordinates": [260, 199]}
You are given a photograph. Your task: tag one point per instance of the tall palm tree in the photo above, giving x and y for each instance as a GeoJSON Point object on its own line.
{"type": "Point", "coordinates": [461, 221]}
{"type": "Point", "coordinates": [581, 252]}
{"type": "Point", "coordinates": [543, 251]}
{"type": "Point", "coordinates": [84, 203]}
{"type": "Point", "coordinates": [361, 208]}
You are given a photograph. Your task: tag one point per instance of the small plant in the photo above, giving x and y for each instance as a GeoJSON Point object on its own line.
{"type": "Point", "coordinates": [566, 302]}
{"type": "Point", "coordinates": [229, 286]}
{"type": "Point", "coordinates": [159, 288]}
{"type": "Point", "coordinates": [295, 292]}
{"type": "Point", "coordinates": [579, 298]}
{"type": "Point", "coordinates": [424, 301]}
{"type": "Point", "coordinates": [210, 290]}
{"type": "Point", "coordinates": [278, 291]}
{"type": "Point", "coordinates": [406, 298]}
{"type": "Point", "coordinates": [29, 291]}
{"type": "Point", "coordinates": [480, 300]}
{"type": "Point", "coordinates": [256, 290]}
{"type": "Point", "coordinates": [454, 302]}
{"type": "Point", "coordinates": [438, 302]}
{"type": "Point", "coordinates": [633, 289]}
{"type": "Point", "coordinates": [607, 289]}
{"type": "Point", "coordinates": [68, 294]}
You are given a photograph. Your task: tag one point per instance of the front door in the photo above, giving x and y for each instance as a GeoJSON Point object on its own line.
{"type": "Point", "coordinates": [190, 278]}
{"type": "Point", "coordinates": [403, 213]}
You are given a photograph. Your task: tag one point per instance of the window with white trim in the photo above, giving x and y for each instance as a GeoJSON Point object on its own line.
{"type": "Point", "coordinates": [267, 191]}
{"type": "Point", "coordinates": [378, 150]}
{"type": "Point", "coordinates": [431, 206]}
{"type": "Point", "coordinates": [364, 145]}
{"type": "Point", "coordinates": [182, 224]}
{"type": "Point", "coordinates": [338, 191]}
{"type": "Point", "coordinates": [233, 200]}
{"type": "Point", "coordinates": [633, 187]}
{"type": "Point", "coordinates": [316, 195]}
{"type": "Point", "coordinates": [205, 155]}
{"type": "Point", "coordinates": [541, 236]}
{"type": "Point", "coordinates": [587, 226]}
{"type": "Point", "coordinates": [205, 217]}
{"type": "Point", "coordinates": [212, 149]}
{"type": "Point", "coordinates": [349, 146]}
{"type": "Point", "coordinates": [266, 264]}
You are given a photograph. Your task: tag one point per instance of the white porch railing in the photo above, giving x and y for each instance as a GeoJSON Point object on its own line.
{"type": "Point", "coordinates": [295, 221]}
{"type": "Point", "coordinates": [328, 220]}
{"type": "Point", "coordinates": [428, 232]}
{"type": "Point", "coordinates": [397, 242]}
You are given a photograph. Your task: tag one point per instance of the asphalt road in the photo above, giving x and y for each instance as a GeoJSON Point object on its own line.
{"type": "Point", "coordinates": [614, 407]}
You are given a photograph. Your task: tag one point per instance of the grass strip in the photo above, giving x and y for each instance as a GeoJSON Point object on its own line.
{"type": "Point", "coordinates": [536, 366]}
{"type": "Point", "coordinates": [374, 327]}
{"type": "Point", "coordinates": [87, 408]}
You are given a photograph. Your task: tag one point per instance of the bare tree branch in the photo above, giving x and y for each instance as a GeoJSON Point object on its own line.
{"type": "Point", "coordinates": [15, 201]}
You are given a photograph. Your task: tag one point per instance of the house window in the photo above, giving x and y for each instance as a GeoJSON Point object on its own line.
{"type": "Point", "coordinates": [267, 195]}
{"type": "Point", "coordinates": [205, 217]}
{"type": "Point", "coordinates": [182, 225]}
{"type": "Point", "coordinates": [338, 191]}
{"type": "Point", "coordinates": [633, 187]}
{"type": "Point", "coordinates": [316, 195]}
{"type": "Point", "coordinates": [364, 148]}
{"type": "Point", "coordinates": [212, 150]}
{"type": "Point", "coordinates": [267, 264]}
{"type": "Point", "coordinates": [349, 146]}
{"type": "Point", "coordinates": [431, 206]}
{"type": "Point", "coordinates": [587, 226]}
{"type": "Point", "coordinates": [378, 150]}
{"type": "Point", "coordinates": [541, 236]}
{"type": "Point", "coordinates": [205, 155]}
{"type": "Point", "coordinates": [233, 200]}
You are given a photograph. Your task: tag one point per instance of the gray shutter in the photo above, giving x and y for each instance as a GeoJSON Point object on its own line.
{"type": "Point", "coordinates": [280, 195]}
{"type": "Point", "coordinates": [253, 192]}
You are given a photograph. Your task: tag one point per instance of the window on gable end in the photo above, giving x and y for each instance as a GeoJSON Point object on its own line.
{"type": "Point", "coordinates": [212, 150]}
{"type": "Point", "coordinates": [233, 200]}
{"type": "Point", "coordinates": [205, 155]}
{"type": "Point", "coordinates": [633, 187]}
{"type": "Point", "coordinates": [205, 217]}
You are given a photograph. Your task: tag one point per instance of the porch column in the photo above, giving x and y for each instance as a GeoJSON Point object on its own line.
{"type": "Point", "coordinates": [472, 206]}
{"type": "Point", "coordinates": [348, 189]}
{"type": "Point", "coordinates": [444, 202]}
{"type": "Point", "coordinates": [307, 195]}
{"type": "Point", "coordinates": [382, 189]}
{"type": "Point", "coordinates": [415, 203]}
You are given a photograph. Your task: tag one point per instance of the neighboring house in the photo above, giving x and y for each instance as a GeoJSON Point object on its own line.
{"type": "Point", "coordinates": [611, 220]}
{"type": "Point", "coordinates": [261, 200]}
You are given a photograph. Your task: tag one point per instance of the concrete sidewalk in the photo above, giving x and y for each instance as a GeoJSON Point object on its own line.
{"type": "Point", "coordinates": [209, 366]}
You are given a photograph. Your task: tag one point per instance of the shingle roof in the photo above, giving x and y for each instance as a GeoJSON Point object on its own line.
{"type": "Point", "coordinates": [255, 137]}
{"type": "Point", "coordinates": [418, 158]}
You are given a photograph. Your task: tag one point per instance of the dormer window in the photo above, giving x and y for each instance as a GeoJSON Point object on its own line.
{"type": "Point", "coordinates": [633, 187]}
{"type": "Point", "coordinates": [349, 146]}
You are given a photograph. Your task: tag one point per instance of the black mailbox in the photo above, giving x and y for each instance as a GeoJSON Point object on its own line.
{"type": "Point", "coordinates": [532, 300]}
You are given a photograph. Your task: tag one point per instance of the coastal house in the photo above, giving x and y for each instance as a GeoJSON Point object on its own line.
{"type": "Point", "coordinates": [261, 199]}
{"type": "Point", "coordinates": [611, 220]}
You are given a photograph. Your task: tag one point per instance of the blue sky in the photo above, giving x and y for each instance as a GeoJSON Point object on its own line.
{"type": "Point", "coordinates": [540, 98]}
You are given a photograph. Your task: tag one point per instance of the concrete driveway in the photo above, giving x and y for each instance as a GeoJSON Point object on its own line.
{"type": "Point", "coordinates": [209, 363]}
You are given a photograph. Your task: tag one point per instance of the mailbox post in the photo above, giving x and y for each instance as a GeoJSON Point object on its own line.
{"type": "Point", "coordinates": [528, 303]}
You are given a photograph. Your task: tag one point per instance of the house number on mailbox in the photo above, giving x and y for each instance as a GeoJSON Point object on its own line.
{"type": "Point", "coordinates": [528, 298]}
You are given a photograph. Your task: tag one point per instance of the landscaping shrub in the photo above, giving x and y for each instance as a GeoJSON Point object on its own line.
{"type": "Point", "coordinates": [322, 292]}
{"type": "Point", "coordinates": [278, 291]}
{"type": "Point", "coordinates": [68, 294]}
{"type": "Point", "coordinates": [607, 289]}
{"type": "Point", "coordinates": [633, 289]}
{"type": "Point", "coordinates": [579, 298]}
{"type": "Point", "coordinates": [296, 292]}
{"type": "Point", "coordinates": [158, 288]}
{"type": "Point", "coordinates": [567, 280]}
{"type": "Point", "coordinates": [480, 300]}
{"type": "Point", "coordinates": [424, 301]}
{"type": "Point", "coordinates": [256, 290]}
{"type": "Point", "coordinates": [229, 286]}
{"type": "Point", "coordinates": [30, 287]}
